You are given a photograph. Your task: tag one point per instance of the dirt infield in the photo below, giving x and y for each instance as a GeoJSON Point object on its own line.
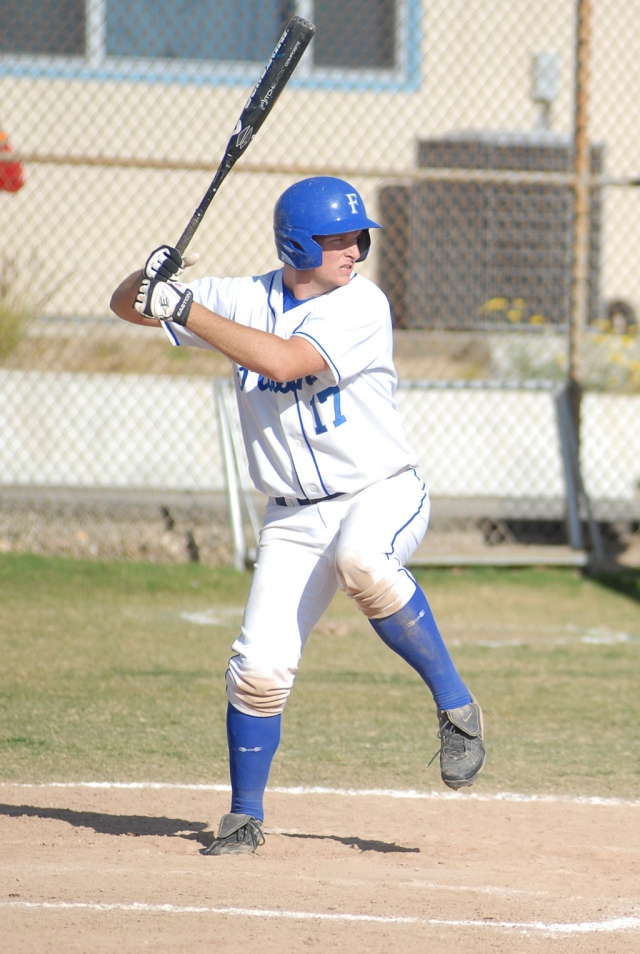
{"type": "Point", "coordinates": [112, 869]}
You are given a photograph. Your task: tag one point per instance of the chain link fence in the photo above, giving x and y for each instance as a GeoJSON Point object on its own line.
{"type": "Point", "coordinates": [457, 123]}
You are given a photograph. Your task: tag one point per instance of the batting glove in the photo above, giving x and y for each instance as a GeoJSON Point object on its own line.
{"type": "Point", "coordinates": [166, 263]}
{"type": "Point", "coordinates": [167, 301]}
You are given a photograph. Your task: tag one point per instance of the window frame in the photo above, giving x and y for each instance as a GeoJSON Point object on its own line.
{"type": "Point", "coordinates": [96, 65]}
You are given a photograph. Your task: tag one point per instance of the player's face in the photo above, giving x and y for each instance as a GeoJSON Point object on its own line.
{"type": "Point", "coordinates": [339, 255]}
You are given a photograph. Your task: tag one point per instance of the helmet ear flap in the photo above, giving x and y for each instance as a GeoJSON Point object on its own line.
{"type": "Point", "coordinates": [364, 244]}
{"type": "Point", "coordinates": [297, 248]}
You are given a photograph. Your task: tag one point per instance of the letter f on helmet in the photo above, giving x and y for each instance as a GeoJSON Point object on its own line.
{"type": "Point", "coordinates": [322, 205]}
{"type": "Point", "coordinates": [352, 199]}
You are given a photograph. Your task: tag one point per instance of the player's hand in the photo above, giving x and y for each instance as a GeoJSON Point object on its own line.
{"type": "Point", "coordinates": [167, 301]}
{"type": "Point", "coordinates": [166, 263]}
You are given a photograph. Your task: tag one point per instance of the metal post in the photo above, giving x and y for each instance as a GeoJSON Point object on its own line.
{"type": "Point", "coordinates": [563, 415]}
{"type": "Point", "coordinates": [582, 170]}
{"type": "Point", "coordinates": [576, 484]}
{"type": "Point", "coordinates": [227, 393]}
{"type": "Point", "coordinates": [233, 495]}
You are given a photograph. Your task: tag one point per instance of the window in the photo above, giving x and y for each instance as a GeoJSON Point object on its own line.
{"type": "Point", "coordinates": [195, 29]}
{"type": "Point", "coordinates": [360, 33]}
{"type": "Point", "coordinates": [371, 42]}
{"type": "Point", "coordinates": [51, 27]}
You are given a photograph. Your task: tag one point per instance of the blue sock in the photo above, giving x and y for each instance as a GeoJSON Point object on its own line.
{"type": "Point", "coordinates": [413, 634]}
{"type": "Point", "coordinates": [253, 741]}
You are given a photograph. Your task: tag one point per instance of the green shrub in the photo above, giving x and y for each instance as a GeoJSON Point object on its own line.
{"type": "Point", "coordinates": [15, 311]}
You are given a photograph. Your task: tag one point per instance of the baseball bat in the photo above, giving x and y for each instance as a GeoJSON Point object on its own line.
{"type": "Point", "coordinates": [275, 76]}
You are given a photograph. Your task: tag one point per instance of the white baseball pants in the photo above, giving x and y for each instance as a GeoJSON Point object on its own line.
{"type": "Point", "coordinates": [358, 542]}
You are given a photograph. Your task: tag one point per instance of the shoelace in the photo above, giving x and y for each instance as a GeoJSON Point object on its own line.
{"type": "Point", "coordinates": [452, 738]}
{"type": "Point", "coordinates": [256, 833]}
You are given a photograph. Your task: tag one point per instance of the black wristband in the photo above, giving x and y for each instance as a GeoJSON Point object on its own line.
{"type": "Point", "coordinates": [181, 314]}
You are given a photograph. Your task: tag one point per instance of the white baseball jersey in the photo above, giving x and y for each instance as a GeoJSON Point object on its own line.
{"type": "Point", "coordinates": [336, 432]}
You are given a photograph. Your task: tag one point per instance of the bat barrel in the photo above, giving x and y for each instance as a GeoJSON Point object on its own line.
{"type": "Point", "coordinates": [284, 59]}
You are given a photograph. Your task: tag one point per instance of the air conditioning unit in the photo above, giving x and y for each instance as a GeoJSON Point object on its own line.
{"type": "Point", "coordinates": [465, 254]}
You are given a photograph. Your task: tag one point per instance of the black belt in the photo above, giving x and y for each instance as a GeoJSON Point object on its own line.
{"type": "Point", "coordinates": [287, 502]}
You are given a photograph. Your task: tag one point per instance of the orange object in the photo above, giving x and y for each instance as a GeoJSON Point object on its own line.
{"type": "Point", "coordinates": [11, 173]}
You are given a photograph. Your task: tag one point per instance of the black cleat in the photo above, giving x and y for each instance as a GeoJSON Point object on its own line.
{"type": "Point", "coordinates": [237, 835]}
{"type": "Point", "coordinates": [462, 753]}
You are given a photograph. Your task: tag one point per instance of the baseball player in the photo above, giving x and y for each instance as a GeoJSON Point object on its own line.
{"type": "Point", "coordinates": [311, 348]}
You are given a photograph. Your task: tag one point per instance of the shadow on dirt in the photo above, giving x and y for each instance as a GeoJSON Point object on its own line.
{"type": "Point", "coordinates": [364, 844]}
{"type": "Point", "coordinates": [103, 824]}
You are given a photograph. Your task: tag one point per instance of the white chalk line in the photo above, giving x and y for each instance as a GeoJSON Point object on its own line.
{"type": "Point", "coordinates": [585, 927]}
{"type": "Point", "coordinates": [220, 616]}
{"type": "Point", "coordinates": [344, 792]}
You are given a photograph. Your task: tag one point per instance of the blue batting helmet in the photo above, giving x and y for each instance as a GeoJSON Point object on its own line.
{"type": "Point", "coordinates": [322, 205]}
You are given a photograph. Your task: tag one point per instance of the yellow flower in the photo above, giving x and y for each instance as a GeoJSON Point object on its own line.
{"type": "Point", "coordinates": [494, 304]}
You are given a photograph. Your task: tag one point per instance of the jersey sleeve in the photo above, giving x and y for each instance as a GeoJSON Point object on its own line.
{"type": "Point", "coordinates": [217, 294]}
{"type": "Point", "coordinates": [352, 331]}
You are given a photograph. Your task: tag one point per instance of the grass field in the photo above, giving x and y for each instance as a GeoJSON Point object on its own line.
{"type": "Point", "coordinates": [114, 671]}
